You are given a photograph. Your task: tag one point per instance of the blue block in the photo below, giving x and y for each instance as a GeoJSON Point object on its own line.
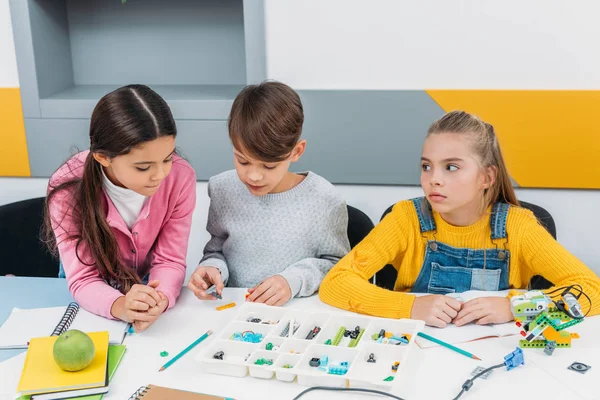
{"type": "Point", "coordinates": [514, 359]}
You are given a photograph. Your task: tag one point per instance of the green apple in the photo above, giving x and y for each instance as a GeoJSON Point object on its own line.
{"type": "Point", "coordinates": [73, 350]}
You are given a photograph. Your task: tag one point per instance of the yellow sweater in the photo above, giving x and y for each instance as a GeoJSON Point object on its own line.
{"type": "Point", "coordinates": [397, 240]}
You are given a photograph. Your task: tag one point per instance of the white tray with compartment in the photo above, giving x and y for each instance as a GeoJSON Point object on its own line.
{"type": "Point", "coordinates": [291, 354]}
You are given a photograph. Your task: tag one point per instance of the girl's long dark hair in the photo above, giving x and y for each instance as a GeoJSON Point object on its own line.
{"type": "Point", "coordinates": [122, 120]}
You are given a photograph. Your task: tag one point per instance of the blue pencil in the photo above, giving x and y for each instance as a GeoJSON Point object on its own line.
{"type": "Point", "coordinates": [448, 345]}
{"type": "Point", "coordinates": [182, 353]}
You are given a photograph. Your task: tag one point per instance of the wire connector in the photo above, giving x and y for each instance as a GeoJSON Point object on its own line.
{"type": "Point", "coordinates": [514, 359]}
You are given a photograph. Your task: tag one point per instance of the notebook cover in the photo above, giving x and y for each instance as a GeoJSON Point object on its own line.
{"type": "Point", "coordinates": [162, 393]}
{"type": "Point", "coordinates": [115, 355]}
{"type": "Point", "coordinates": [41, 374]}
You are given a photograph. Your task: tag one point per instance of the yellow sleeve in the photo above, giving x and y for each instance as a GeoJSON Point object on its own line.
{"type": "Point", "coordinates": [542, 255]}
{"type": "Point", "coordinates": [347, 285]}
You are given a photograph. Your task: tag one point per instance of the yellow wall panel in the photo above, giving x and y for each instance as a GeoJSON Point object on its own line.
{"type": "Point", "coordinates": [550, 138]}
{"type": "Point", "coordinates": [14, 160]}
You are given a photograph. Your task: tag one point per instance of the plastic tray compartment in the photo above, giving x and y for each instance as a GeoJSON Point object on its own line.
{"type": "Point", "coordinates": [234, 357]}
{"type": "Point", "coordinates": [262, 371]}
{"type": "Point", "coordinates": [312, 376]}
{"type": "Point", "coordinates": [397, 327]}
{"type": "Point", "coordinates": [240, 327]}
{"type": "Point", "coordinates": [349, 322]}
{"type": "Point", "coordinates": [263, 312]}
{"type": "Point", "coordinates": [294, 346]}
{"type": "Point", "coordinates": [316, 319]}
{"type": "Point", "coordinates": [286, 374]}
{"type": "Point", "coordinates": [365, 374]}
{"type": "Point", "coordinates": [299, 318]}
{"type": "Point", "coordinates": [274, 340]}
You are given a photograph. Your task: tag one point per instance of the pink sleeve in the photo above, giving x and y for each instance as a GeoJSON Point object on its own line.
{"type": "Point", "coordinates": [85, 284]}
{"type": "Point", "coordinates": [170, 251]}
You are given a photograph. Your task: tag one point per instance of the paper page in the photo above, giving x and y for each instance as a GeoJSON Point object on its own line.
{"type": "Point", "coordinates": [453, 334]}
{"type": "Point", "coordinates": [88, 322]}
{"type": "Point", "coordinates": [23, 325]}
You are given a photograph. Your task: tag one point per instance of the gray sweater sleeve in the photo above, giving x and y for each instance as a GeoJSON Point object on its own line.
{"type": "Point", "coordinates": [305, 276]}
{"type": "Point", "coordinates": [213, 251]}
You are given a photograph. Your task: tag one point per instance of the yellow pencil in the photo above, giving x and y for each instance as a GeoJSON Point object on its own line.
{"type": "Point", "coordinates": [226, 306]}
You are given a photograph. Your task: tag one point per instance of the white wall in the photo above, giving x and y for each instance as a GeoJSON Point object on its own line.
{"type": "Point", "coordinates": [569, 214]}
{"type": "Point", "coordinates": [8, 60]}
{"type": "Point", "coordinates": [433, 44]}
{"type": "Point", "coordinates": [436, 44]}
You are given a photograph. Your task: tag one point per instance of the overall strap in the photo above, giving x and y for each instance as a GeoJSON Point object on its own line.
{"type": "Point", "coordinates": [498, 220]}
{"type": "Point", "coordinates": [424, 214]}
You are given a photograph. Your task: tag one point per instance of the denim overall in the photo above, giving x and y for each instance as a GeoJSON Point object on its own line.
{"type": "Point", "coordinates": [448, 269]}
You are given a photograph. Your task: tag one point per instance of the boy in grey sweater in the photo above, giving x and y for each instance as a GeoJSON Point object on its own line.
{"type": "Point", "coordinates": [276, 232]}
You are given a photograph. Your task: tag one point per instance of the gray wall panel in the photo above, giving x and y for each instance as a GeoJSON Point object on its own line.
{"type": "Point", "coordinates": [51, 141]}
{"type": "Point", "coordinates": [206, 145]}
{"type": "Point", "coordinates": [51, 46]}
{"type": "Point", "coordinates": [254, 34]}
{"type": "Point", "coordinates": [361, 137]}
{"type": "Point", "coordinates": [196, 102]}
{"type": "Point", "coordinates": [19, 11]}
{"type": "Point", "coordinates": [366, 137]}
{"type": "Point", "coordinates": [175, 42]}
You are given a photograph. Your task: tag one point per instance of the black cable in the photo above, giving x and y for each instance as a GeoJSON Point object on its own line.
{"type": "Point", "coordinates": [348, 390]}
{"type": "Point", "coordinates": [565, 289]}
{"type": "Point", "coordinates": [469, 382]}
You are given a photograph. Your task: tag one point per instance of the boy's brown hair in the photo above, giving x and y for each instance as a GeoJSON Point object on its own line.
{"type": "Point", "coordinates": [266, 121]}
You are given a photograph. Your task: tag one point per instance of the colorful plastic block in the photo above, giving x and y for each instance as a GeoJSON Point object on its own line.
{"type": "Point", "coordinates": [514, 359]}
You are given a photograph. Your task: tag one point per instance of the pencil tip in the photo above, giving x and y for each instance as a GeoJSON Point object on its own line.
{"type": "Point", "coordinates": [477, 358]}
{"type": "Point", "coordinates": [161, 369]}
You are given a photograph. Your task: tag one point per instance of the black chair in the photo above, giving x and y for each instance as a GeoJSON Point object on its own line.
{"type": "Point", "coordinates": [546, 220]}
{"type": "Point", "coordinates": [386, 277]}
{"type": "Point", "coordinates": [22, 253]}
{"type": "Point", "coordinates": [359, 226]}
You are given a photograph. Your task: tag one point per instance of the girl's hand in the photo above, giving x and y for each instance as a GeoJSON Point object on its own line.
{"type": "Point", "coordinates": [202, 279]}
{"type": "Point", "coordinates": [134, 305]}
{"type": "Point", "coordinates": [435, 309]}
{"type": "Point", "coordinates": [273, 291]}
{"type": "Point", "coordinates": [153, 313]}
{"type": "Point", "coordinates": [485, 310]}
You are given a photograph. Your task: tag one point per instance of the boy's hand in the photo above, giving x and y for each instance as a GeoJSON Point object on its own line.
{"type": "Point", "coordinates": [435, 309]}
{"type": "Point", "coordinates": [273, 291]}
{"type": "Point", "coordinates": [202, 279]}
{"type": "Point", "coordinates": [485, 310]}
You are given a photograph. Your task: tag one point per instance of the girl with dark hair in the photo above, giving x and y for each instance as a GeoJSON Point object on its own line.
{"type": "Point", "coordinates": [121, 211]}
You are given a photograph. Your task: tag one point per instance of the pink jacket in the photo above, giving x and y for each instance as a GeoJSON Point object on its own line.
{"type": "Point", "coordinates": [157, 242]}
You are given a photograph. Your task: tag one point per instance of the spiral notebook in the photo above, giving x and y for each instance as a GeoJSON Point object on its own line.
{"type": "Point", "coordinates": [152, 392]}
{"type": "Point", "coordinates": [23, 325]}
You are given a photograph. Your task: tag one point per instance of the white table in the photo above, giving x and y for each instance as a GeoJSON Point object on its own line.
{"type": "Point", "coordinates": [435, 373]}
